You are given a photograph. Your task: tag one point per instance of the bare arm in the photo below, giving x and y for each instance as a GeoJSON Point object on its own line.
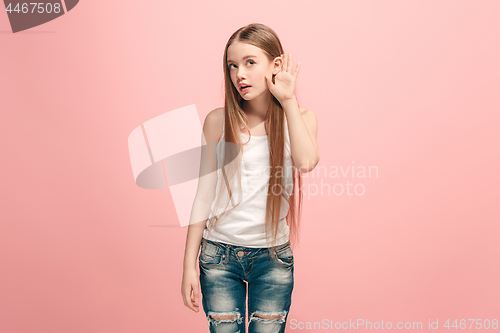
{"type": "Point", "coordinates": [303, 129]}
{"type": "Point", "coordinates": [205, 193]}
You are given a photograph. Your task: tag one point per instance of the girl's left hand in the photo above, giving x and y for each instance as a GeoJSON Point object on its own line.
{"type": "Point", "coordinates": [284, 87]}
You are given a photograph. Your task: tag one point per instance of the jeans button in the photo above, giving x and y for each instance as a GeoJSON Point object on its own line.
{"type": "Point", "coordinates": [240, 253]}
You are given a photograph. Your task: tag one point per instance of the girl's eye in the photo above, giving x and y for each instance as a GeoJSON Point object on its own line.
{"type": "Point", "coordinates": [253, 62]}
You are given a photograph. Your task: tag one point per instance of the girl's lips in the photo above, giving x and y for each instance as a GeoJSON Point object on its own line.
{"type": "Point", "coordinates": [245, 89]}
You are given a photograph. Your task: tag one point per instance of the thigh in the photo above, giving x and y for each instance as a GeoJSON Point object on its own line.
{"type": "Point", "coordinates": [223, 291]}
{"type": "Point", "coordinates": [270, 287]}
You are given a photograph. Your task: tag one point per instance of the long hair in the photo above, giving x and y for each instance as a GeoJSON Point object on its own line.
{"type": "Point", "coordinates": [236, 119]}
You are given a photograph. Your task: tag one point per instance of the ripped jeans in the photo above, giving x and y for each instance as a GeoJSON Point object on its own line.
{"type": "Point", "coordinates": [224, 268]}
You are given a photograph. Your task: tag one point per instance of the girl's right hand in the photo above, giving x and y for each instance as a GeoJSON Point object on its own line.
{"type": "Point", "coordinates": [190, 284]}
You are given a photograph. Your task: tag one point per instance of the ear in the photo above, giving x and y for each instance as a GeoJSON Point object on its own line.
{"type": "Point", "coordinates": [277, 64]}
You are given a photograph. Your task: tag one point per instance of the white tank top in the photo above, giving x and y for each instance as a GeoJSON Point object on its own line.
{"type": "Point", "coordinates": [244, 225]}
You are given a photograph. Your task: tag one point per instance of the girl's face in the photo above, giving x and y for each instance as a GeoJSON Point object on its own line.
{"type": "Point", "coordinates": [248, 66]}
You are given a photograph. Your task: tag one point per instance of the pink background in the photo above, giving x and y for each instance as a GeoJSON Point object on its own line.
{"type": "Point", "coordinates": [411, 88]}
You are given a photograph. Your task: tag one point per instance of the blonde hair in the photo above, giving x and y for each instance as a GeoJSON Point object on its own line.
{"type": "Point", "coordinates": [235, 118]}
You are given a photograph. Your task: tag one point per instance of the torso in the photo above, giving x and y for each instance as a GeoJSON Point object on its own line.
{"type": "Point", "coordinates": [256, 127]}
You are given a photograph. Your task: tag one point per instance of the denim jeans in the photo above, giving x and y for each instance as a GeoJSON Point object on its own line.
{"type": "Point", "coordinates": [224, 268]}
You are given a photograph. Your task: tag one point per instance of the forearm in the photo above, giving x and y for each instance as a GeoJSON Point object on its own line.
{"type": "Point", "coordinates": [303, 149]}
{"type": "Point", "coordinates": [193, 241]}
{"type": "Point", "coordinates": [199, 216]}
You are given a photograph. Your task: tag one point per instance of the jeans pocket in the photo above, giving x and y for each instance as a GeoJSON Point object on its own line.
{"type": "Point", "coordinates": [210, 254]}
{"type": "Point", "coordinates": [284, 256]}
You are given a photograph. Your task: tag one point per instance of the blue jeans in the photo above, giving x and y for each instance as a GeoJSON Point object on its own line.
{"type": "Point", "coordinates": [224, 268]}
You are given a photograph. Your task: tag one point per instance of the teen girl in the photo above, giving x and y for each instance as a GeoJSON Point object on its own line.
{"type": "Point", "coordinates": [245, 207]}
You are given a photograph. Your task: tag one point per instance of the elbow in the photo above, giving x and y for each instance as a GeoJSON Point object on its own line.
{"type": "Point", "coordinates": [309, 165]}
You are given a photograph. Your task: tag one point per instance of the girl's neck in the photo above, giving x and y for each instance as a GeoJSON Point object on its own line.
{"type": "Point", "coordinates": [257, 107]}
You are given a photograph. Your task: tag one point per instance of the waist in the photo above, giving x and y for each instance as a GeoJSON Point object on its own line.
{"type": "Point", "coordinates": [237, 248]}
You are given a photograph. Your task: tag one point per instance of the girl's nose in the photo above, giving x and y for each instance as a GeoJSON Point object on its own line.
{"type": "Point", "coordinates": [240, 74]}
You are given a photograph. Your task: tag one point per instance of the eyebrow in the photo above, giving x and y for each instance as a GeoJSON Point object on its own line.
{"type": "Point", "coordinates": [248, 56]}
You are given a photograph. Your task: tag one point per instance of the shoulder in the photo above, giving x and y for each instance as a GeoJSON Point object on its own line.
{"type": "Point", "coordinates": [215, 115]}
{"type": "Point", "coordinates": [212, 128]}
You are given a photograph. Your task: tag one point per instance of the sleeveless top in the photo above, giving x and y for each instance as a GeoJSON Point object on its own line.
{"type": "Point", "coordinates": [245, 224]}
